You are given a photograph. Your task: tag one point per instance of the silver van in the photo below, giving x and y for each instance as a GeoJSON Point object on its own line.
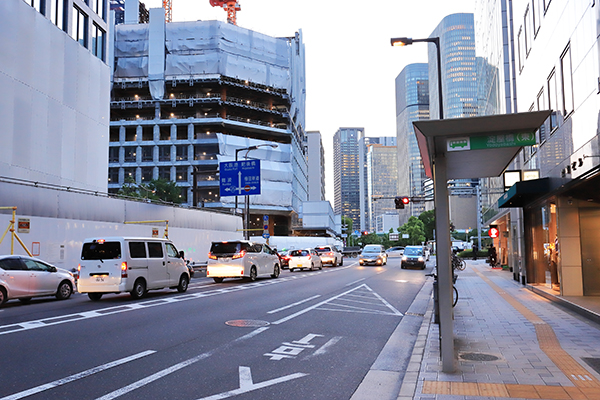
{"type": "Point", "coordinates": [130, 264]}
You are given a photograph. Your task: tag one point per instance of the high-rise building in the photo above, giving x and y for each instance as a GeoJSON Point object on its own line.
{"type": "Point", "coordinates": [315, 155]}
{"type": "Point", "coordinates": [412, 104]}
{"type": "Point", "coordinates": [56, 91]}
{"type": "Point", "coordinates": [346, 175]}
{"type": "Point", "coordinates": [382, 177]}
{"type": "Point", "coordinates": [460, 98]}
{"type": "Point", "coordinates": [189, 95]}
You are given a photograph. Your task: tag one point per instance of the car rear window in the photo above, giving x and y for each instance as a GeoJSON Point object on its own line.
{"type": "Point", "coordinates": [299, 253]}
{"type": "Point", "coordinates": [218, 248]}
{"type": "Point", "coordinates": [413, 251]}
{"type": "Point", "coordinates": [322, 249]}
{"type": "Point", "coordinates": [101, 251]}
{"type": "Point", "coordinates": [372, 249]}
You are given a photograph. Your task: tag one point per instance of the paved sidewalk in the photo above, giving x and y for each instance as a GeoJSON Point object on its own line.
{"type": "Point", "coordinates": [510, 343]}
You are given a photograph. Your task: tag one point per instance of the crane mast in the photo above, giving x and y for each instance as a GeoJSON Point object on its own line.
{"type": "Point", "coordinates": [231, 6]}
{"type": "Point", "coordinates": [168, 10]}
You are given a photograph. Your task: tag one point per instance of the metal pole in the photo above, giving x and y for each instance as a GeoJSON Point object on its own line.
{"type": "Point", "coordinates": [436, 41]}
{"type": "Point", "coordinates": [246, 217]}
{"type": "Point", "coordinates": [444, 269]}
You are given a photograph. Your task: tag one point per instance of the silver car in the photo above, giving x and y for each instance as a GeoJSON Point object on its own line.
{"type": "Point", "coordinates": [372, 254]}
{"type": "Point", "coordinates": [24, 277]}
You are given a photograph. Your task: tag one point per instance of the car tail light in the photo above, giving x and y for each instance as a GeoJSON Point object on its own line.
{"type": "Point", "coordinates": [124, 269]}
{"type": "Point", "coordinates": [241, 254]}
{"type": "Point", "coordinates": [330, 254]}
{"type": "Point", "coordinates": [212, 256]}
{"type": "Point", "coordinates": [78, 271]}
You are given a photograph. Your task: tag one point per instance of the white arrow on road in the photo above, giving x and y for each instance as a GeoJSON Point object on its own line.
{"type": "Point", "coordinates": [247, 385]}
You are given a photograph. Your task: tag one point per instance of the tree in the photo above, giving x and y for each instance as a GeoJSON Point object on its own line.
{"type": "Point", "coordinates": [415, 230]}
{"type": "Point", "coordinates": [347, 221]}
{"type": "Point", "coordinates": [160, 190]}
{"type": "Point", "coordinates": [428, 218]}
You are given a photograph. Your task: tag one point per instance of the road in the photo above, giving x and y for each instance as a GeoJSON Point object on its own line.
{"type": "Point", "coordinates": [305, 335]}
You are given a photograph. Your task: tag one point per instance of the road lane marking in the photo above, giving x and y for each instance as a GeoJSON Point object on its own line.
{"type": "Point", "coordinates": [247, 384]}
{"type": "Point", "coordinates": [362, 287]}
{"type": "Point", "coordinates": [352, 283]}
{"type": "Point", "coordinates": [80, 375]}
{"type": "Point", "coordinates": [252, 334]}
{"type": "Point", "coordinates": [294, 304]}
{"type": "Point", "coordinates": [325, 348]}
{"type": "Point", "coordinates": [41, 323]}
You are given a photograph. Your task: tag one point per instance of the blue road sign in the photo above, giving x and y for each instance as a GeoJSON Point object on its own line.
{"type": "Point", "coordinates": [239, 178]}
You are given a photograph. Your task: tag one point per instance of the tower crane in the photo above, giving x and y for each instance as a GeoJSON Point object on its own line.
{"type": "Point", "coordinates": [231, 6]}
{"type": "Point", "coordinates": [168, 10]}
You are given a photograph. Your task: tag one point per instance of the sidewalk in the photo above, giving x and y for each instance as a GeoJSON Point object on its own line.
{"type": "Point", "coordinates": [510, 343]}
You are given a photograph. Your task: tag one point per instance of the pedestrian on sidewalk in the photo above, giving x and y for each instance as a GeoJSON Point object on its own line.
{"type": "Point", "coordinates": [475, 248]}
{"type": "Point", "coordinates": [492, 256]}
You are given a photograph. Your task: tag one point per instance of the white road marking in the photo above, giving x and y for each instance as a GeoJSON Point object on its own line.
{"type": "Point", "coordinates": [125, 307]}
{"type": "Point", "coordinates": [352, 283]}
{"type": "Point", "coordinates": [252, 334]}
{"type": "Point", "coordinates": [323, 349]}
{"type": "Point", "coordinates": [293, 305]}
{"type": "Point", "coordinates": [59, 382]}
{"type": "Point", "coordinates": [247, 385]}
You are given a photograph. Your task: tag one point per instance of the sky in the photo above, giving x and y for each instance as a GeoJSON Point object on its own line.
{"type": "Point", "coordinates": [350, 65]}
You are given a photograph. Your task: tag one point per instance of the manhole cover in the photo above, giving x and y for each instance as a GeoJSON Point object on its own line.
{"type": "Point", "coordinates": [478, 357]}
{"type": "Point", "coordinates": [592, 362]}
{"type": "Point", "coordinates": [247, 323]}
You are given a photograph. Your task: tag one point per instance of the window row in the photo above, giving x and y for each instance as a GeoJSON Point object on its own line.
{"type": "Point", "coordinates": [164, 153]}
{"type": "Point", "coordinates": [132, 133]}
{"type": "Point", "coordinates": [530, 28]}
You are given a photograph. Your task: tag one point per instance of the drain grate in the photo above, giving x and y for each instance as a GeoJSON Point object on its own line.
{"type": "Point", "coordinates": [414, 314]}
{"type": "Point", "coordinates": [478, 357]}
{"type": "Point", "coordinates": [592, 362]}
{"type": "Point", "coordinates": [247, 323]}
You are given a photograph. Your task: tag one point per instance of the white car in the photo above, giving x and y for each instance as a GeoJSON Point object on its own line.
{"type": "Point", "coordinates": [26, 277]}
{"type": "Point", "coordinates": [397, 251]}
{"type": "Point", "coordinates": [241, 258]}
{"type": "Point", "coordinates": [330, 255]}
{"type": "Point", "coordinates": [304, 259]}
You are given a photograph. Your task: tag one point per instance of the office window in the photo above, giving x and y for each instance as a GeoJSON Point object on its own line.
{"type": "Point", "coordinates": [129, 173]}
{"type": "Point", "coordinates": [528, 31]}
{"type": "Point", "coordinates": [164, 173]}
{"type": "Point", "coordinates": [79, 29]}
{"type": "Point", "coordinates": [37, 4]}
{"type": "Point", "coordinates": [147, 174]}
{"type": "Point", "coordinates": [537, 15]}
{"type": "Point", "coordinates": [181, 174]}
{"type": "Point", "coordinates": [521, 48]}
{"type": "Point", "coordinates": [57, 13]}
{"type": "Point", "coordinates": [147, 153]}
{"type": "Point", "coordinates": [182, 153]}
{"type": "Point", "coordinates": [130, 154]}
{"type": "Point", "coordinates": [99, 8]}
{"type": "Point", "coordinates": [113, 175]}
{"type": "Point", "coordinates": [164, 153]}
{"type": "Point", "coordinates": [552, 100]}
{"type": "Point", "coordinates": [567, 80]}
{"type": "Point", "coordinates": [98, 36]}
{"type": "Point", "coordinates": [113, 154]}
{"type": "Point", "coordinates": [541, 105]}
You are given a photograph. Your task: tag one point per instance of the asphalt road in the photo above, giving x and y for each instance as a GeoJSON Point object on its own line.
{"type": "Point", "coordinates": [305, 335]}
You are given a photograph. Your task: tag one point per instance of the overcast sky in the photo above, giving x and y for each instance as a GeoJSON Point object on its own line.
{"type": "Point", "coordinates": [350, 64]}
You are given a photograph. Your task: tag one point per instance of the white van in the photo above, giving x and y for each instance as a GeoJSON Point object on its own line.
{"type": "Point", "coordinates": [129, 264]}
{"type": "Point", "coordinates": [241, 258]}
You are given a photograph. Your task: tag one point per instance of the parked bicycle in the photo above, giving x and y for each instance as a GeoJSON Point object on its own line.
{"type": "Point", "coordinates": [455, 294]}
{"type": "Point", "coordinates": [458, 263]}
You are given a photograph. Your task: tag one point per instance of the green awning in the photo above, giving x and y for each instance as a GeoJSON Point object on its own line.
{"type": "Point", "coordinates": [524, 193]}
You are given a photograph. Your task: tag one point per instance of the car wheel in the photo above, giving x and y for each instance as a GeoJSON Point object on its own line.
{"type": "Point", "coordinates": [64, 291]}
{"type": "Point", "coordinates": [218, 280]}
{"type": "Point", "coordinates": [334, 263]}
{"type": "Point", "coordinates": [95, 296]}
{"type": "Point", "coordinates": [25, 300]}
{"type": "Point", "coordinates": [139, 289]}
{"type": "Point", "coordinates": [320, 266]}
{"type": "Point", "coordinates": [183, 284]}
{"type": "Point", "coordinates": [312, 266]}
{"type": "Point", "coordinates": [401, 266]}
{"type": "Point", "coordinates": [253, 274]}
{"type": "Point", "coordinates": [291, 269]}
{"type": "Point", "coordinates": [2, 296]}
{"type": "Point", "coordinates": [276, 271]}
{"type": "Point", "coordinates": [341, 261]}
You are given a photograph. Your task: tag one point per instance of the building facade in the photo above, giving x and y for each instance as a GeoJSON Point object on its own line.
{"type": "Point", "coordinates": [56, 87]}
{"type": "Point", "coordinates": [315, 156]}
{"type": "Point", "coordinates": [412, 104]}
{"type": "Point", "coordinates": [187, 96]}
{"type": "Point", "coordinates": [382, 177]}
{"type": "Point", "coordinates": [556, 52]}
{"type": "Point", "coordinates": [346, 172]}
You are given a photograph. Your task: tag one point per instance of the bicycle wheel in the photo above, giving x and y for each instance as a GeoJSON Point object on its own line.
{"type": "Point", "coordinates": [462, 265]}
{"type": "Point", "coordinates": [455, 300]}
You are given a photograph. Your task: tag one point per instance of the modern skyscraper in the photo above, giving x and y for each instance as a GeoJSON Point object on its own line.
{"type": "Point", "coordinates": [315, 155]}
{"type": "Point", "coordinates": [346, 173]}
{"type": "Point", "coordinates": [382, 177]}
{"type": "Point", "coordinates": [412, 104]}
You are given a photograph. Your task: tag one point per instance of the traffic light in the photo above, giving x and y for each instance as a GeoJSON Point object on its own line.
{"type": "Point", "coordinates": [401, 201]}
{"type": "Point", "coordinates": [494, 232]}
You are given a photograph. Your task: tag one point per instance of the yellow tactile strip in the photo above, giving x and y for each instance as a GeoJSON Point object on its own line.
{"type": "Point", "coordinates": [587, 387]}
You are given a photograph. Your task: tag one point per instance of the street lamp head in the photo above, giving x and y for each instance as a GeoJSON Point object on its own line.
{"type": "Point", "coordinates": [401, 41]}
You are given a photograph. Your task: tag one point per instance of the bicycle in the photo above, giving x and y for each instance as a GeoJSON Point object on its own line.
{"type": "Point", "coordinates": [455, 294]}
{"type": "Point", "coordinates": [458, 263]}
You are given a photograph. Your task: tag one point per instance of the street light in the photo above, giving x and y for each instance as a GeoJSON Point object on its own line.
{"type": "Point", "coordinates": [404, 41]}
{"type": "Point", "coordinates": [247, 205]}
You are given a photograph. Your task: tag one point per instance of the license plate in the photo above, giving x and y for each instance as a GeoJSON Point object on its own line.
{"type": "Point", "coordinates": [299, 265]}
{"type": "Point", "coordinates": [99, 279]}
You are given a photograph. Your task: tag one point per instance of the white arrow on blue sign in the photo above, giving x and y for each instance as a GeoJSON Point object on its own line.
{"type": "Point", "coordinates": [239, 178]}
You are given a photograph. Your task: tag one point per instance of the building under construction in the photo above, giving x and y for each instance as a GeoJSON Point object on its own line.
{"type": "Point", "coordinates": [189, 95]}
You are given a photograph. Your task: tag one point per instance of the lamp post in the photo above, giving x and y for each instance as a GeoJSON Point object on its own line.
{"type": "Point", "coordinates": [404, 41]}
{"type": "Point", "coordinates": [442, 218]}
{"type": "Point", "coordinates": [247, 200]}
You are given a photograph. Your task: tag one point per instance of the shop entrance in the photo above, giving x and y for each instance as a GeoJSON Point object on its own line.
{"type": "Point", "coordinates": [589, 221]}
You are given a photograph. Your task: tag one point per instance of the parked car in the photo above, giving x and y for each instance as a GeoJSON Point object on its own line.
{"type": "Point", "coordinates": [372, 254]}
{"type": "Point", "coordinates": [330, 255]}
{"type": "Point", "coordinates": [305, 259]}
{"type": "Point", "coordinates": [24, 277]}
{"type": "Point", "coordinates": [241, 258]}
{"type": "Point", "coordinates": [413, 257]}
{"type": "Point", "coordinates": [284, 258]}
{"type": "Point", "coordinates": [130, 264]}
{"type": "Point", "coordinates": [396, 251]}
